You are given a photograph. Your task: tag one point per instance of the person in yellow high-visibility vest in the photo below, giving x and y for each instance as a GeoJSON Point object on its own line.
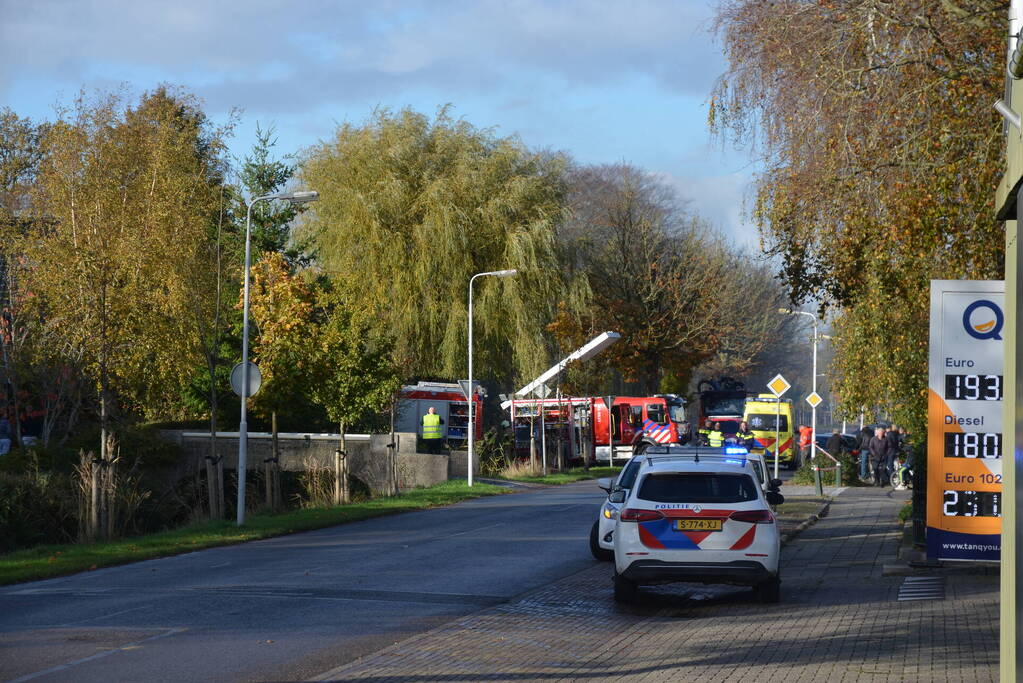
{"type": "Point", "coordinates": [433, 430]}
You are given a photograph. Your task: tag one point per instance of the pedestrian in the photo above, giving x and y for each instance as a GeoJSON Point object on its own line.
{"type": "Point", "coordinates": [878, 455]}
{"type": "Point", "coordinates": [745, 435]}
{"type": "Point", "coordinates": [894, 440]}
{"type": "Point", "coordinates": [834, 444]}
{"type": "Point", "coordinates": [805, 440]}
{"type": "Point", "coordinates": [865, 435]}
{"type": "Point", "coordinates": [433, 431]}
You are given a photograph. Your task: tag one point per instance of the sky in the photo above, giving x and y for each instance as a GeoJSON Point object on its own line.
{"type": "Point", "coordinates": [605, 81]}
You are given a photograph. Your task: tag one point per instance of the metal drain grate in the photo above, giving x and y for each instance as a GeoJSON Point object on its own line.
{"type": "Point", "coordinates": [922, 588]}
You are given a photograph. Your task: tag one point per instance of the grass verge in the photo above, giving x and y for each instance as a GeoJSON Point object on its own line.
{"type": "Point", "coordinates": [799, 508]}
{"type": "Point", "coordinates": [44, 562]}
{"type": "Point", "coordinates": [574, 474]}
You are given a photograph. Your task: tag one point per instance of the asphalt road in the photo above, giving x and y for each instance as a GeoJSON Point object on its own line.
{"type": "Point", "coordinates": [295, 606]}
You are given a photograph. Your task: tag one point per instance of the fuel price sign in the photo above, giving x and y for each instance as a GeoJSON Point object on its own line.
{"type": "Point", "coordinates": [964, 420]}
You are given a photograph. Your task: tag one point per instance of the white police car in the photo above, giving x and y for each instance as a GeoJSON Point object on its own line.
{"type": "Point", "coordinates": [602, 531]}
{"type": "Point", "coordinates": [696, 517]}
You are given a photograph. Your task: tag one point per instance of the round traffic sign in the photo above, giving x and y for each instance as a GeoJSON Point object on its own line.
{"type": "Point", "coordinates": [255, 379]}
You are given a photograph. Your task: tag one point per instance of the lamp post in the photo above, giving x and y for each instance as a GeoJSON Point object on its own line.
{"type": "Point", "coordinates": [813, 409]}
{"type": "Point", "coordinates": [470, 394]}
{"type": "Point", "coordinates": [243, 427]}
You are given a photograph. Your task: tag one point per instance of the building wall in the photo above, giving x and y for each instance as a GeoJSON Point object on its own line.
{"type": "Point", "coordinates": [368, 455]}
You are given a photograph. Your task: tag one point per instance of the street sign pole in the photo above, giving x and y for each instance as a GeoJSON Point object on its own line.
{"type": "Point", "coordinates": [777, 435]}
{"type": "Point", "coordinates": [778, 386]}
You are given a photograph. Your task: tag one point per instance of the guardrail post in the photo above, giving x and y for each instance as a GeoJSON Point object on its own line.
{"type": "Point", "coordinates": [817, 480]}
{"type": "Point", "coordinates": [838, 474]}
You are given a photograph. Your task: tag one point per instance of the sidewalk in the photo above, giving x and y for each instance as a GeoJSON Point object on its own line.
{"type": "Point", "coordinates": [839, 620]}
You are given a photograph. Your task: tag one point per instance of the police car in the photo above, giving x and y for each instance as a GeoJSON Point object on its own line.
{"type": "Point", "coordinates": [602, 531]}
{"type": "Point", "coordinates": [696, 517]}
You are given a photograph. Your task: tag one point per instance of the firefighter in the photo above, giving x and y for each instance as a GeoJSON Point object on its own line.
{"type": "Point", "coordinates": [716, 438]}
{"type": "Point", "coordinates": [745, 436]}
{"type": "Point", "coordinates": [703, 434]}
{"type": "Point", "coordinates": [433, 433]}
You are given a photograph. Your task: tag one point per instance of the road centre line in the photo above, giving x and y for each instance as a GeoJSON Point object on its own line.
{"type": "Point", "coordinates": [105, 616]}
{"type": "Point", "coordinates": [472, 531]}
{"type": "Point", "coordinates": [98, 655]}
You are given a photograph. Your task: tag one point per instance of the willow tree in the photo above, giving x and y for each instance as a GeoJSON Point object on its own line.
{"type": "Point", "coordinates": [123, 196]}
{"type": "Point", "coordinates": [411, 208]}
{"type": "Point", "coordinates": [873, 121]}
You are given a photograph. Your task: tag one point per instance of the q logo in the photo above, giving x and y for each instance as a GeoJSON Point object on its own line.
{"type": "Point", "coordinates": [984, 327]}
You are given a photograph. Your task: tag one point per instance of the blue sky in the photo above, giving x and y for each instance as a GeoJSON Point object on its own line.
{"type": "Point", "coordinates": [605, 81]}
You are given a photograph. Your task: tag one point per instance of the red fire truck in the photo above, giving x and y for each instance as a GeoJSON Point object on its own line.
{"type": "Point", "coordinates": [448, 401]}
{"type": "Point", "coordinates": [580, 423]}
{"type": "Point", "coordinates": [660, 419]}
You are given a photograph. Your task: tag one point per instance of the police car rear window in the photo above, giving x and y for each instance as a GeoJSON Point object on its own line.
{"type": "Point", "coordinates": [677, 487]}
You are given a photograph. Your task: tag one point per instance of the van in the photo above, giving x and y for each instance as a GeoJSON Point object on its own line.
{"type": "Point", "coordinates": [761, 414]}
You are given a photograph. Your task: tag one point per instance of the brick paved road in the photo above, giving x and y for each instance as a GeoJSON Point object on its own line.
{"type": "Point", "coordinates": [838, 621]}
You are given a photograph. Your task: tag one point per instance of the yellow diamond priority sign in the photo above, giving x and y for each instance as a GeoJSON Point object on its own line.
{"type": "Point", "coordinates": [778, 386]}
{"type": "Point", "coordinates": [814, 399]}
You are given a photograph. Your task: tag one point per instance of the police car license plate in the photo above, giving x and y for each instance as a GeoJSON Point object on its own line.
{"type": "Point", "coordinates": [698, 524]}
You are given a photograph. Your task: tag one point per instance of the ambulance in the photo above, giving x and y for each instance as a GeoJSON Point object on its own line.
{"type": "Point", "coordinates": [762, 414]}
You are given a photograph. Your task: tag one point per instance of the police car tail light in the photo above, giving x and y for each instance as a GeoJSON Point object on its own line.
{"type": "Point", "coordinates": [753, 516]}
{"type": "Point", "coordinates": [639, 515]}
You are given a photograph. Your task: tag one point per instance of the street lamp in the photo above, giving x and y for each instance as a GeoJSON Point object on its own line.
{"type": "Point", "coordinates": [243, 427]}
{"type": "Point", "coordinates": [469, 391]}
{"type": "Point", "coordinates": [813, 409]}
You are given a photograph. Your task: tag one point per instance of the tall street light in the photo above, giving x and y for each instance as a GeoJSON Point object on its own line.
{"type": "Point", "coordinates": [813, 409]}
{"type": "Point", "coordinates": [470, 394]}
{"type": "Point", "coordinates": [243, 427]}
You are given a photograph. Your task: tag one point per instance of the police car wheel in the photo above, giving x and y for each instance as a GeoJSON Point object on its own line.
{"type": "Point", "coordinates": [625, 590]}
{"type": "Point", "coordinates": [769, 592]}
{"type": "Point", "coordinates": [595, 549]}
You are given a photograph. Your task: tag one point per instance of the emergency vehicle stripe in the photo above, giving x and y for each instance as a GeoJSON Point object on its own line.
{"type": "Point", "coordinates": [697, 536]}
{"type": "Point", "coordinates": [659, 534]}
{"type": "Point", "coordinates": [648, 539]}
{"type": "Point", "coordinates": [746, 540]}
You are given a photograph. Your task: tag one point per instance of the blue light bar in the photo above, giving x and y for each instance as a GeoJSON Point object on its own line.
{"type": "Point", "coordinates": [733, 461]}
{"type": "Point", "coordinates": [736, 450]}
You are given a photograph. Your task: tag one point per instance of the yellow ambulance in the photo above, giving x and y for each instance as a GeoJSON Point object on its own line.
{"type": "Point", "coordinates": [762, 414]}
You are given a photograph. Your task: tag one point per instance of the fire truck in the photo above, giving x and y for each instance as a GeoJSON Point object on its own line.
{"type": "Point", "coordinates": [721, 400]}
{"type": "Point", "coordinates": [584, 425]}
{"type": "Point", "coordinates": [448, 401]}
{"type": "Point", "coordinates": [660, 419]}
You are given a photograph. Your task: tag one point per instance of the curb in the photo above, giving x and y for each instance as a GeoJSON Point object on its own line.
{"type": "Point", "coordinates": [806, 524]}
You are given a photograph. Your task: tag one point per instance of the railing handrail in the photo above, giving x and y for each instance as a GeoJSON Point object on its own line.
{"type": "Point", "coordinates": [833, 458]}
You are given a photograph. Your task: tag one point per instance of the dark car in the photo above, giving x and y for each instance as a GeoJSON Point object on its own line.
{"type": "Point", "coordinates": [850, 443]}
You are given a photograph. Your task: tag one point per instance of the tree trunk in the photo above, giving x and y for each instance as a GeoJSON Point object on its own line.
{"type": "Point", "coordinates": [345, 492]}
{"type": "Point", "coordinates": [211, 476]}
{"type": "Point", "coordinates": [271, 461]}
{"type": "Point", "coordinates": [392, 451]}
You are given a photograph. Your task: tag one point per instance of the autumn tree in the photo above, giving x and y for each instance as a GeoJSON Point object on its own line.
{"type": "Point", "coordinates": [282, 309]}
{"type": "Point", "coordinates": [121, 193]}
{"type": "Point", "coordinates": [663, 279]}
{"type": "Point", "coordinates": [873, 122]}
{"type": "Point", "coordinates": [411, 208]}
{"type": "Point", "coordinates": [353, 371]}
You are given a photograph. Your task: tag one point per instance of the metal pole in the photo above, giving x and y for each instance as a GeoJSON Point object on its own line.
{"type": "Point", "coordinates": [243, 426]}
{"type": "Point", "coordinates": [470, 391]}
{"type": "Point", "coordinates": [777, 434]}
{"type": "Point", "coordinates": [813, 408]}
{"type": "Point", "coordinates": [543, 431]}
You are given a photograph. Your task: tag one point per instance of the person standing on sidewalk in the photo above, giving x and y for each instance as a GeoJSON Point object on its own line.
{"type": "Point", "coordinates": [805, 449]}
{"type": "Point", "coordinates": [864, 436]}
{"type": "Point", "coordinates": [894, 440]}
{"type": "Point", "coordinates": [878, 455]}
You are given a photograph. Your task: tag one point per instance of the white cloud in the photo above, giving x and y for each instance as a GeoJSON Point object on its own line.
{"type": "Point", "coordinates": [289, 55]}
{"type": "Point", "coordinates": [721, 200]}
